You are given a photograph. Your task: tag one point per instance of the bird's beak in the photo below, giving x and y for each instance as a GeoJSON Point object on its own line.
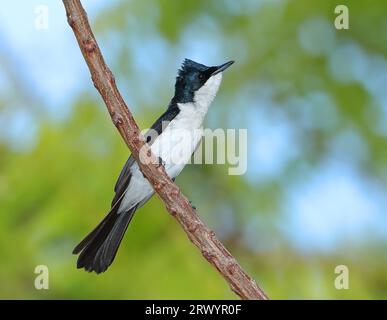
{"type": "Point", "coordinates": [222, 67]}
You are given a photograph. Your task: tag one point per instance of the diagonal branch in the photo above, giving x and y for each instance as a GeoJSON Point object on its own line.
{"type": "Point", "coordinates": [176, 203]}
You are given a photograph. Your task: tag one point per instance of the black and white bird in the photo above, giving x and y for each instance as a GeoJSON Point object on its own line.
{"type": "Point", "coordinates": [178, 133]}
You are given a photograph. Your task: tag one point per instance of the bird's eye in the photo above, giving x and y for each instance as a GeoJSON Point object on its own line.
{"type": "Point", "coordinates": [201, 76]}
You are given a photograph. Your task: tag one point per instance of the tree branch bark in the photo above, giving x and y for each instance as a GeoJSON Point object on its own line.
{"type": "Point", "coordinates": [176, 203]}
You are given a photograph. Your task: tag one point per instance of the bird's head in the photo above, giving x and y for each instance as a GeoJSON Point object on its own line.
{"type": "Point", "coordinates": [196, 82]}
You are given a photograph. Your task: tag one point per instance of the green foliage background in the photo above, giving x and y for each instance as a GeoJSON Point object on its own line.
{"type": "Point", "coordinates": [54, 192]}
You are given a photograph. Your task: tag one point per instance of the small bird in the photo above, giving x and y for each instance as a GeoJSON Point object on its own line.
{"type": "Point", "coordinates": [178, 134]}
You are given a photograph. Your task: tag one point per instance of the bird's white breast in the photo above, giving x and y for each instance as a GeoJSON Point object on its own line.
{"type": "Point", "coordinates": [179, 140]}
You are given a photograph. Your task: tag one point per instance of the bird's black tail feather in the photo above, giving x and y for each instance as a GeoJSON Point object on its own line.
{"type": "Point", "coordinates": [98, 249]}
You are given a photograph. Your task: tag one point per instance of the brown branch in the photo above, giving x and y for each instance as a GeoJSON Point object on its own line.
{"type": "Point", "coordinates": [176, 203]}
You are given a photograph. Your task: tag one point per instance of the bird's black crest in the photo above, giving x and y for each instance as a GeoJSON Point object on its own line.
{"type": "Point", "coordinates": [190, 66]}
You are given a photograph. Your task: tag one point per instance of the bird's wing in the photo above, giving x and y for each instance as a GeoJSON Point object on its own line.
{"type": "Point", "coordinates": [151, 135]}
{"type": "Point", "coordinates": [161, 123]}
{"type": "Point", "coordinates": [123, 181]}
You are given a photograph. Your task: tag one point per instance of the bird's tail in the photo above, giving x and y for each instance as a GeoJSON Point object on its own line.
{"type": "Point", "coordinates": [98, 249]}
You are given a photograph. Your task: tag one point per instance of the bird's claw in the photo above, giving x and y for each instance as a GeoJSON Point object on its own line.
{"type": "Point", "coordinates": [160, 162]}
{"type": "Point", "coordinates": [192, 205]}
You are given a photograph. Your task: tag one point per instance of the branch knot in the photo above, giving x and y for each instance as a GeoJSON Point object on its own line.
{"type": "Point", "coordinates": [89, 45]}
{"type": "Point", "coordinates": [117, 119]}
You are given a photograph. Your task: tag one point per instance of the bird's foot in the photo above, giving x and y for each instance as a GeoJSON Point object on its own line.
{"type": "Point", "coordinates": [160, 162]}
{"type": "Point", "coordinates": [192, 205]}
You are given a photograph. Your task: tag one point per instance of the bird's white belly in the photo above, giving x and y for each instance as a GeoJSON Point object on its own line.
{"type": "Point", "coordinates": [175, 147]}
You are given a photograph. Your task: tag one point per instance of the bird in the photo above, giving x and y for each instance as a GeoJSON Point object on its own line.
{"type": "Point", "coordinates": [173, 138]}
